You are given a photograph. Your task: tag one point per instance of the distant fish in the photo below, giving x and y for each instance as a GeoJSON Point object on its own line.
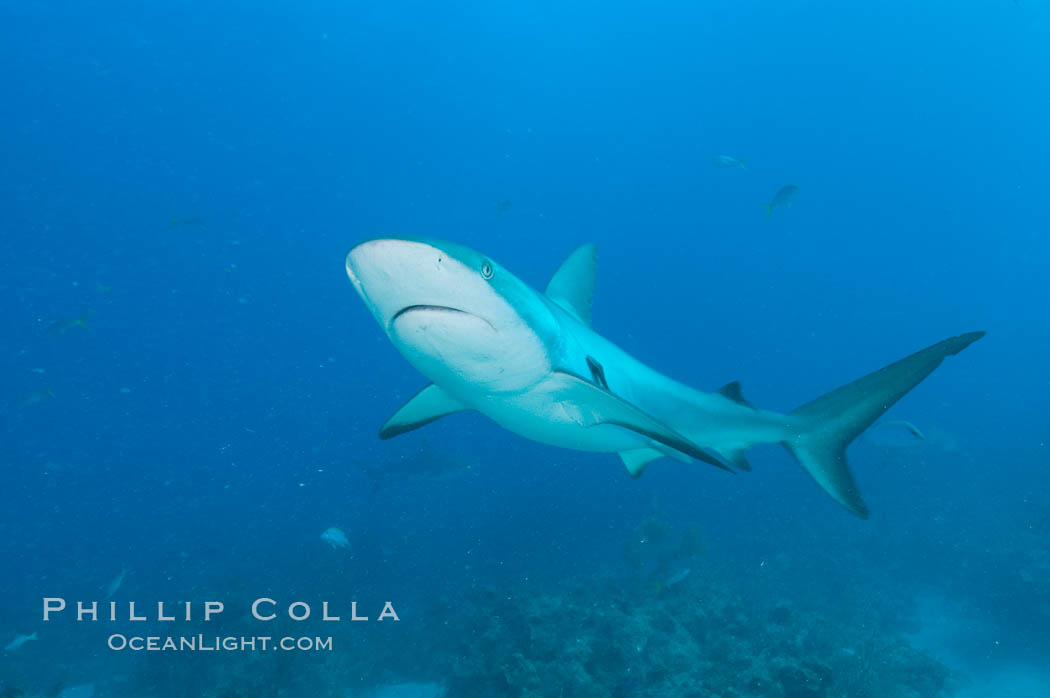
{"type": "Point", "coordinates": [191, 222]}
{"type": "Point", "coordinates": [425, 465]}
{"type": "Point", "coordinates": [784, 196]}
{"type": "Point", "coordinates": [676, 578]}
{"type": "Point", "coordinates": [728, 162]}
{"type": "Point", "coordinates": [504, 206]}
{"type": "Point", "coordinates": [38, 398]}
{"type": "Point", "coordinates": [84, 690]}
{"type": "Point", "coordinates": [904, 437]}
{"type": "Point", "coordinates": [335, 538]}
{"type": "Point", "coordinates": [115, 583]}
{"type": "Point", "coordinates": [911, 428]}
{"type": "Point", "coordinates": [60, 327]}
{"type": "Point", "coordinates": [18, 642]}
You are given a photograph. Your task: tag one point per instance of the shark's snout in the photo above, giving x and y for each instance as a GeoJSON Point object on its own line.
{"type": "Point", "coordinates": [391, 275]}
{"type": "Point", "coordinates": [377, 261]}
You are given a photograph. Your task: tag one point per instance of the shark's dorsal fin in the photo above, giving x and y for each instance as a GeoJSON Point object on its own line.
{"type": "Point", "coordinates": [428, 404]}
{"type": "Point", "coordinates": [734, 393]}
{"type": "Point", "coordinates": [572, 286]}
{"type": "Point", "coordinates": [605, 408]}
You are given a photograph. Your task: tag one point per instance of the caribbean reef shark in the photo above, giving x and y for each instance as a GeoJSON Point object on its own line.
{"type": "Point", "coordinates": [531, 362]}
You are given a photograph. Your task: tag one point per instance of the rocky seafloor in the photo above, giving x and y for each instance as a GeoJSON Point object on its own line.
{"type": "Point", "coordinates": [674, 626]}
{"type": "Point", "coordinates": [693, 640]}
{"type": "Point", "coordinates": [667, 623]}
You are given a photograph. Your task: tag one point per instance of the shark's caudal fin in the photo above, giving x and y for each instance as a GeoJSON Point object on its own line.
{"type": "Point", "coordinates": [828, 424]}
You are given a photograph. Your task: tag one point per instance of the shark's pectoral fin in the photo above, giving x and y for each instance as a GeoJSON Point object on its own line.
{"type": "Point", "coordinates": [429, 404]}
{"type": "Point", "coordinates": [671, 453]}
{"type": "Point", "coordinates": [602, 407]}
{"type": "Point", "coordinates": [572, 286]}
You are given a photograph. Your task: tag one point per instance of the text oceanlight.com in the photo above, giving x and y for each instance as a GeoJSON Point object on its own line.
{"type": "Point", "coordinates": [202, 643]}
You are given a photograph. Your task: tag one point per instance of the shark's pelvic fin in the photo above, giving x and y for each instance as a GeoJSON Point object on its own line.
{"type": "Point", "coordinates": [637, 459]}
{"type": "Point", "coordinates": [572, 286]}
{"type": "Point", "coordinates": [429, 404]}
{"type": "Point", "coordinates": [609, 409]}
{"type": "Point", "coordinates": [734, 393]}
{"type": "Point", "coordinates": [827, 425]}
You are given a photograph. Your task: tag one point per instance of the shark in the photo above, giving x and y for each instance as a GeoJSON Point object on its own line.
{"type": "Point", "coordinates": [533, 363]}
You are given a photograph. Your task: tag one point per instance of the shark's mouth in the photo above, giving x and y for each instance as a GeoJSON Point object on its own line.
{"type": "Point", "coordinates": [436, 309]}
{"type": "Point", "coordinates": [414, 308]}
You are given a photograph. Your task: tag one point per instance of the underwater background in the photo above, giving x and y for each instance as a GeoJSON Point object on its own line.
{"type": "Point", "coordinates": [192, 389]}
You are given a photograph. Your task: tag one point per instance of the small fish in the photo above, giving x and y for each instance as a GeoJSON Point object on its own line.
{"type": "Point", "coordinates": [728, 162]}
{"type": "Point", "coordinates": [912, 429]}
{"type": "Point", "coordinates": [191, 222]}
{"type": "Point", "coordinates": [335, 538]}
{"type": "Point", "coordinates": [18, 642]}
{"type": "Point", "coordinates": [677, 577]}
{"type": "Point", "coordinates": [60, 327]}
{"type": "Point", "coordinates": [504, 206]}
{"type": "Point", "coordinates": [115, 583]}
{"type": "Point", "coordinates": [784, 196]}
{"type": "Point", "coordinates": [901, 435]}
{"type": "Point", "coordinates": [38, 398]}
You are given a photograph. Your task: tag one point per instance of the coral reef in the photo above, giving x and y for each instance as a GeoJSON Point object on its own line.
{"type": "Point", "coordinates": [594, 638]}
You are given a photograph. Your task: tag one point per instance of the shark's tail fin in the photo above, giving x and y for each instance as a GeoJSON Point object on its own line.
{"type": "Point", "coordinates": [827, 425]}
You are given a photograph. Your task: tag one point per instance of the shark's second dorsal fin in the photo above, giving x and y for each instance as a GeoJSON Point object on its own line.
{"type": "Point", "coordinates": [734, 393]}
{"type": "Point", "coordinates": [428, 404]}
{"type": "Point", "coordinates": [572, 286]}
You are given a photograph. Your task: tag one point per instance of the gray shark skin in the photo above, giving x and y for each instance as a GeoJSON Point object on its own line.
{"type": "Point", "coordinates": [531, 362]}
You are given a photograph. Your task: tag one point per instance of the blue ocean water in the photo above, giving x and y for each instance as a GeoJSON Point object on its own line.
{"type": "Point", "coordinates": [193, 388]}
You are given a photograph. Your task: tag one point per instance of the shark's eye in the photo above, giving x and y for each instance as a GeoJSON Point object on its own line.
{"type": "Point", "coordinates": [486, 270]}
